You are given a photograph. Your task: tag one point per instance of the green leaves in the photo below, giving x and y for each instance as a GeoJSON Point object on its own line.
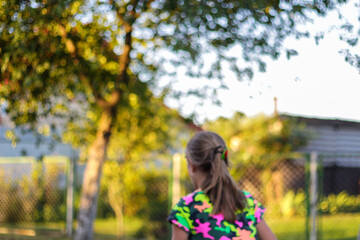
{"type": "Point", "coordinates": [76, 59]}
{"type": "Point", "coordinates": [47, 44]}
{"type": "Point", "coordinates": [290, 53]}
{"type": "Point", "coordinates": [55, 53]}
{"type": "Point", "coordinates": [259, 141]}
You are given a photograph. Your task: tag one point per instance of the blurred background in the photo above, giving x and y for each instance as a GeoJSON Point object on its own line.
{"type": "Point", "coordinates": [270, 157]}
{"type": "Point", "coordinates": [98, 100]}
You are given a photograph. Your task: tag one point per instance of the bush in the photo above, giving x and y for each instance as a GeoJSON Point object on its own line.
{"type": "Point", "coordinates": [35, 198]}
{"type": "Point", "coordinates": [341, 203]}
{"type": "Point", "coordinates": [11, 206]}
{"type": "Point", "coordinates": [294, 204]}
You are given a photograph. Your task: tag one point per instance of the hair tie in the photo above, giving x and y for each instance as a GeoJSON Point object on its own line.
{"type": "Point", "coordinates": [224, 155]}
{"type": "Point", "coordinates": [224, 152]}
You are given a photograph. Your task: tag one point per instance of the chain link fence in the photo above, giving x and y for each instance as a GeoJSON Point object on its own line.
{"type": "Point", "coordinates": [33, 192]}
{"type": "Point", "coordinates": [134, 201]}
{"type": "Point", "coordinates": [135, 198]}
{"type": "Point", "coordinates": [282, 190]}
{"type": "Point", "coordinates": [276, 187]}
{"type": "Point", "coordinates": [286, 193]}
{"type": "Point", "coordinates": [338, 199]}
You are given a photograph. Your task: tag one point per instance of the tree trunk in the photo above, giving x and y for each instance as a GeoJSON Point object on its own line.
{"type": "Point", "coordinates": [116, 203]}
{"type": "Point", "coordinates": [92, 175]}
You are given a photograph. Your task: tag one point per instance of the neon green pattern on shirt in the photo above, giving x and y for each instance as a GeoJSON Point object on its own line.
{"type": "Point", "coordinates": [193, 214]}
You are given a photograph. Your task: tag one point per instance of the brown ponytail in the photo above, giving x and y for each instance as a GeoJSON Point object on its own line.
{"type": "Point", "coordinates": [205, 150]}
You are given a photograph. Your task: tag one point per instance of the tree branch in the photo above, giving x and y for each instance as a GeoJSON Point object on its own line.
{"type": "Point", "coordinates": [71, 47]}
{"type": "Point", "coordinates": [98, 97]}
{"type": "Point", "coordinates": [124, 58]}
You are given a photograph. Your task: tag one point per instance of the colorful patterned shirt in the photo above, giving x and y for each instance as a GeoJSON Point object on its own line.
{"type": "Point", "coordinates": [193, 214]}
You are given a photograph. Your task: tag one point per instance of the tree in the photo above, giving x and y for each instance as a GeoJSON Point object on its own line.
{"type": "Point", "coordinates": [136, 155]}
{"type": "Point", "coordinates": [260, 143]}
{"type": "Point", "coordinates": [72, 57]}
{"type": "Point", "coordinates": [129, 200]}
{"type": "Point", "coordinates": [349, 32]}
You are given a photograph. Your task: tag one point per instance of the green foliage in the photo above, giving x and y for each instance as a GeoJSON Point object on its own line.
{"type": "Point", "coordinates": [49, 198]}
{"type": "Point", "coordinates": [156, 208]}
{"type": "Point", "coordinates": [11, 200]}
{"type": "Point", "coordinates": [260, 144]}
{"type": "Point", "coordinates": [142, 125]}
{"type": "Point", "coordinates": [292, 204]}
{"type": "Point", "coordinates": [93, 63]}
{"type": "Point", "coordinates": [261, 141]}
{"type": "Point", "coordinates": [137, 189]}
{"type": "Point", "coordinates": [53, 52]}
{"type": "Point", "coordinates": [341, 203]}
{"type": "Point", "coordinates": [33, 199]}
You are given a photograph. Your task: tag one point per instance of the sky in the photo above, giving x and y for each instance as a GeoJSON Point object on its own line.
{"type": "Point", "coordinates": [316, 83]}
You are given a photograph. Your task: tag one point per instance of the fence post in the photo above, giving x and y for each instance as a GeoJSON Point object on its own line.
{"type": "Point", "coordinates": [40, 183]}
{"type": "Point", "coordinates": [70, 197]}
{"type": "Point", "coordinates": [176, 178]}
{"type": "Point", "coordinates": [307, 185]}
{"type": "Point", "coordinates": [170, 197]}
{"type": "Point", "coordinates": [313, 194]}
{"type": "Point", "coordinates": [320, 197]}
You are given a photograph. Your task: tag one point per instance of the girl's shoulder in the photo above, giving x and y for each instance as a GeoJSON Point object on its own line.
{"type": "Point", "coordinates": [197, 195]}
{"type": "Point", "coordinates": [253, 210]}
{"type": "Point", "coordinates": [249, 197]}
{"type": "Point", "coordinates": [246, 193]}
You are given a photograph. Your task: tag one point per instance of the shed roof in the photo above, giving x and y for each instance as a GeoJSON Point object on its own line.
{"type": "Point", "coordinates": [336, 141]}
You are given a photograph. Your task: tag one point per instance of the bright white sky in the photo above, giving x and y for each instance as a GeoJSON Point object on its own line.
{"type": "Point", "coordinates": [316, 83]}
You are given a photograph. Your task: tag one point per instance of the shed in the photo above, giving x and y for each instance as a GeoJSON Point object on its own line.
{"type": "Point", "coordinates": [337, 143]}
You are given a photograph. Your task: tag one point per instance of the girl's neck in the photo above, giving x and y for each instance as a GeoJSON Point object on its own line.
{"type": "Point", "coordinates": [199, 178]}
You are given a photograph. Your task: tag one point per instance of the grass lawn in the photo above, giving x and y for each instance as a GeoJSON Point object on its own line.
{"type": "Point", "coordinates": [289, 229]}
{"type": "Point", "coordinates": [336, 227]}
{"type": "Point", "coordinates": [108, 226]}
{"type": "Point", "coordinates": [344, 226]}
{"type": "Point", "coordinates": [104, 229]}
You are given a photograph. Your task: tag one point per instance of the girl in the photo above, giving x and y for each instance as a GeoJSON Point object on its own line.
{"type": "Point", "coordinates": [217, 209]}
